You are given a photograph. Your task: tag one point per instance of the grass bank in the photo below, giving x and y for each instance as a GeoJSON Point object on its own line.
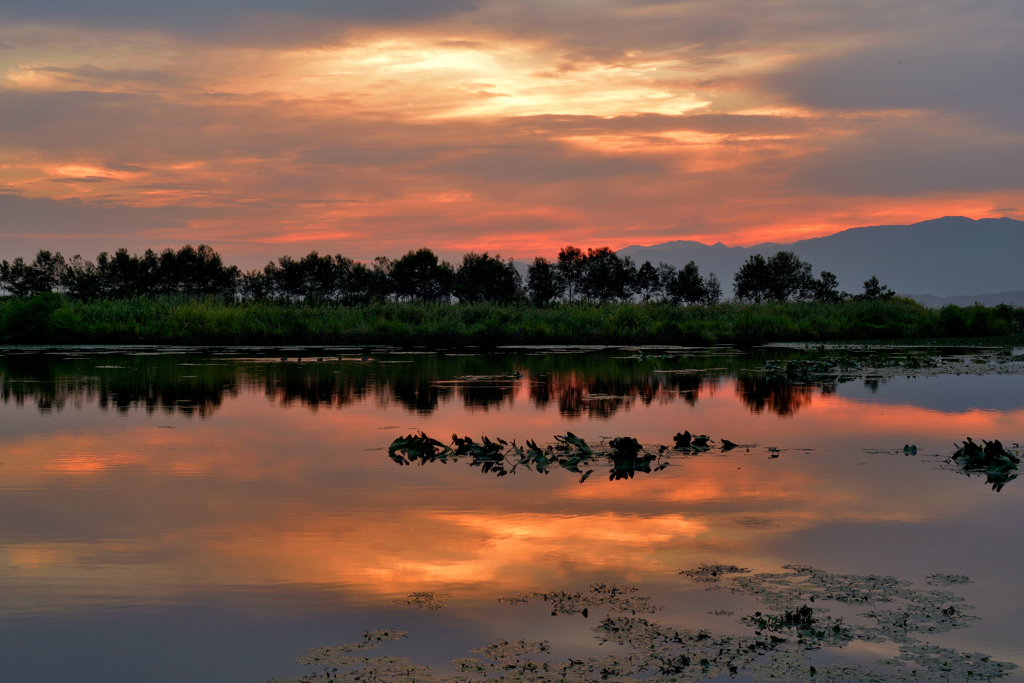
{"type": "Point", "coordinates": [52, 319]}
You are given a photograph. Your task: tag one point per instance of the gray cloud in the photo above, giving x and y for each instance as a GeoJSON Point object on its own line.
{"type": "Point", "coordinates": [653, 124]}
{"type": "Point", "coordinates": [80, 179]}
{"type": "Point", "coordinates": [361, 156]}
{"type": "Point", "coordinates": [542, 163]}
{"type": "Point", "coordinates": [910, 158]}
{"type": "Point", "coordinates": [265, 21]}
{"type": "Point", "coordinates": [96, 76]}
{"type": "Point", "coordinates": [73, 226]}
{"type": "Point", "coordinates": [983, 81]}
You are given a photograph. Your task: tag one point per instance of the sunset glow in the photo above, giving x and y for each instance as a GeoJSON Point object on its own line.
{"type": "Point", "coordinates": [512, 127]}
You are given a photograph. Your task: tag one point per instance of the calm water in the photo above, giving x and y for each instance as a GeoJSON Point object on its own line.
{"type": "Point", "coordinates": [188, 515]}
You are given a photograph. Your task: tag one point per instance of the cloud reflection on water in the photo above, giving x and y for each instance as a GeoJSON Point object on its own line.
{"type": "Point", "coordinates": [284, 484]}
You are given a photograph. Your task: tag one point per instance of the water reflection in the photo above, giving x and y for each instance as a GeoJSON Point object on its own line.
{"type": "Point", "coordinates": [591, 386]}
{"type": "Point", "coordinates": [148, 481]}
{"type": "Point", "coordinates": [584, 386]}
{"type": "Point", "coordinates": [779, 396]}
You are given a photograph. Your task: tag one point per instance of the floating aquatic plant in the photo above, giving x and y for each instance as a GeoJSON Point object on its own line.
{"type": "Point", "coordinates": [334, 659]}
{"type": "Point", "coordinates": [947, 579]}
{"type": "Point", "coordinates": [831, 368]}
{"type": "Point", "coordinates": [624, 455]}
{"type": "Point", "coordinates": [774, 647]}
{"type": "Point", "coordinates": [990, 458]}
{"type": "Point", "coordinates": [615, 597]}
{"type": "Point", "coordinates": [693, 443]}
{"type": "Point", "coordinates": [425, 600]}
{"type": "Point", "coordinates": [908, 610]}
{"type": "Point", "coordinates": [712, 572]}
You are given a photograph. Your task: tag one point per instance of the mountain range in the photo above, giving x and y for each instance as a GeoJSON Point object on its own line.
{"type": "Point", "coordinates": [946, 260]}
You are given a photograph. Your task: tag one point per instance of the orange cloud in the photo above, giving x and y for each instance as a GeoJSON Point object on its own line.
{"type": "Point", "coordinates": [512, 129]}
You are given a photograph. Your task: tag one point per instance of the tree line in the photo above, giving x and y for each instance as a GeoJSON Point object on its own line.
{"type": "Point", "coordinates": [595, 275]}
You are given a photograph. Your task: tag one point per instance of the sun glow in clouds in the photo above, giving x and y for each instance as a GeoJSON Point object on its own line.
{"type": "Point", "coordinates": [429, 78]}
{"type": "Point", "coordinates": [339, 128]}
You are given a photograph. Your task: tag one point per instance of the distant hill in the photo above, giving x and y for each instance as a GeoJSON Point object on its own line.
{"type": "Point", "coordinates": [944, 257]}
{"type": "Point", "coordinates": [1012, 298]}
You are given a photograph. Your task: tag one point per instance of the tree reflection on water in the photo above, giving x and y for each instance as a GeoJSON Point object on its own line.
{"type": "Point", "coordinates": [192, 383]}
{"type": "Point", "coordinates": [594, 385]}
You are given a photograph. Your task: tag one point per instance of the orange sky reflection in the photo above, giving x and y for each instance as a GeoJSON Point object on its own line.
{"type": "Point", "coordinates": [262, 495]}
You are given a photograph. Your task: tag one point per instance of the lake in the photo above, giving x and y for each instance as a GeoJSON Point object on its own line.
{"type": "Point", "coordinates": [171, 514]}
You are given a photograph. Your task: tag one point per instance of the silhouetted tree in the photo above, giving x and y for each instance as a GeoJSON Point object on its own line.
{"type": "Point", "coordinates": [286, 277]}
{"type": "Point", "coordinates": [607, 276]}
{"type": "Point", "coordinates": [779, 278]}
{"type": "Point", "coordinates": [666, 274]}
{"type": "Point", "coordinates": [369, 283]}
{"type": "Point", "coordinates": [873, 290]}
{"type": "Point", "coordinates": [542, 283]}
{"type": "Point", "coordinates": [647, 283]}
{"type": "Point", "coordinates": [46, 269]}
{"type": "Point", "coordinates": [826, 289]}
{"type": "Point", "coordinates": [190, 272]}
{"type": "Point", "coordinates": [789, 277]}
{"type": "Point", "coordinates": [712, 290]}
{"type": "Point", "coordinates": [686, 285]}
{"type": "Point", "coordinates": [200, 271]}
{"type": "Point", "coordinates": [751, 281]}
{"type": "Point", "coordinates": [419, 275]}
{"type": "Point", "coordinates": [26, 279]}
{"type": "Point", "coordinates": [81, 280]}
{"type": "Point", "coordinates": [255, 286]}
{"type": "Point", "coordinates": [318, 277]}
{"type": "Point", "coordinates": [484, 278]}
{"type": "Point", "coordinates": [120, 274]}
{"type": "Point", "coordinates": [570, 270]}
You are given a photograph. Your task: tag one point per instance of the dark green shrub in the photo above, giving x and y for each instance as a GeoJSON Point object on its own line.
{"type": "Point", "coordinates": [26, 320]}
{"type": "Point", "coordinates": [953, 320]}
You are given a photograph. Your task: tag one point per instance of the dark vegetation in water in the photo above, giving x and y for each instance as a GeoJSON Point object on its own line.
{"type": "Point", "coordinates": [805, 611]}
{"type": "Point", "coordinates": [990, 458]}
{"type": "Point", "coordinates": [425, 600]}
{"type": "Point", "coordinates": [624, 456]}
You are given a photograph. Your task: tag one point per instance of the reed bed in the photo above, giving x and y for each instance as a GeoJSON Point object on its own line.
{"type": "Point", "coordinates": [53, 319]}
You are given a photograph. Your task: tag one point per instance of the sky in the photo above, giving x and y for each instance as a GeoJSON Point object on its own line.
{"type": "Point", "coordinates": [371, 128]}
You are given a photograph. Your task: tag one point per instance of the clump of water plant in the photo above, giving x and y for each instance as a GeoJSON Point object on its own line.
{"type": "Point", "coordinates": [991, 458]}
{"type": "Point", "coordinates": [691, 443]}
{"type": "Point", "coordinates": [947, 580]}
{"type": "Point", "coordinates": [625, 456]}
{"type": "Point", "coordinates": [831, 368]}
{"type": "Point", "coordinates": [332, 660]}
{"type": "Point", "coordinates": [774, 646]}
{"type": "Point", "coordinates": [425, 600]}
{"type": "Point", "coordinates": [712, 573]}
{"type": "Point", "coordinates": [616, 597]}
{"type": "Point", "coordinates": [907, 610]}
{"type": "Point", "coordinates": [810, 370]}
{"type": "Point", "coordinates": [417, 447]}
